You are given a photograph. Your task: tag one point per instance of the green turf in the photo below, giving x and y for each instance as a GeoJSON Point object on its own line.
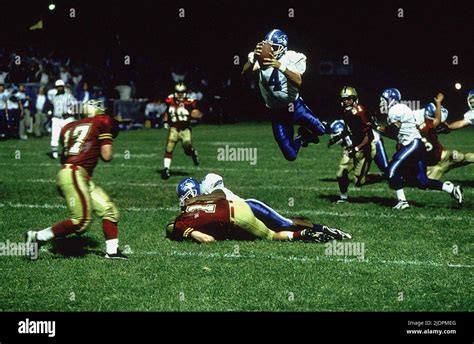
{"type": "Point", "coordinates": [418, 259]}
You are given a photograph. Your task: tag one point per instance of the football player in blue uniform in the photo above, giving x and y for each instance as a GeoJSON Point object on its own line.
{"type": "Point", "coordinates": [280, 79]}
{"type": "Point", "coordinates": [411, 150]}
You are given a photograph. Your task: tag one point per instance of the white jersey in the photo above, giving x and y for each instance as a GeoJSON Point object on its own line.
{"type": "Point", "coordinates": [419, 116]}
{"type": "Point", "coordinates": [274, 86]}
{"type": "Point", "coordinates": [469, 116]}
{"type": "Point", "coordinates": [408, 129]}
{"type": "Point", "coordinates": [63, 104]}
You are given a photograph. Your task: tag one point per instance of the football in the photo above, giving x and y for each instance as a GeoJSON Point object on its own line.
{"type": "Point", "coordinates": [266, 50]}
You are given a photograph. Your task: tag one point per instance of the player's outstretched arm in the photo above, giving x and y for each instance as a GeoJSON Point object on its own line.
{"type": "Point", "coordinates": [201, 237]}
{"type": "Point", "coordinates": [459, 124]}
{"type": "Point", "coordinates": [438, 100]}
{"type": "Point", "coordinates": [106, 152]}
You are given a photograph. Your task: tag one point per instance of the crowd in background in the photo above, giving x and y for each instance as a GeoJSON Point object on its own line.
{"type": "Point", "coordinates": [27, 79]}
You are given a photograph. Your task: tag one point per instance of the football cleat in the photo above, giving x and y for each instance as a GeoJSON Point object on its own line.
{"type": "Point", "coordinates": [458, 194]}
{"type": "Point", "coordinates": [309, 234]}
{"type": "Point", "coordinates": [401, 205]}
{"type": "Point", "coordinates": [165, 173]}
{"type": "Point", "coordinates": [195, 158]}
{"type": "Point", "coordinates": [335, 233]}
{"type": "Point", "coordinates": [343, 199]}
{"type": "Point", "coordinates": [32, 245]}
{"type": "Point", "coordinates": [118, 255]}
{"type": "Point", "coordinates": [307, 137]}
{"type": "Point", "coordinates": [52, 155]}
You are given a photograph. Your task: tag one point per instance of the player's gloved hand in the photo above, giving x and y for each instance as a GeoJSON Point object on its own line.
{"type": "Point", "coordinates": [443, 128]}
{"type": "Point", "coordinates": [166, 126]}
{"type": "Point", "coordinates": [333, 140]}
{"type": "Point", "coordinates": [352, 152]}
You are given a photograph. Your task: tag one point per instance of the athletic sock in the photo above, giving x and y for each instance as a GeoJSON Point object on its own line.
{"type": "Point", "coordinates": [401, 195]}
{"type": "Point", "coordinates": [448, 187]}
{"type": "Point", "coordinates": [111, 246]}
{"type": "Point", "coordinates": [64, 228]}
{"type": "Point", "coordinates": [167, 162]}
{"type": "Point", "coordinates": [45, 234]}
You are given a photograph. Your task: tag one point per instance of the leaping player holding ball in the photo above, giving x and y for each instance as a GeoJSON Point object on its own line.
{"type": "Point", "coordinates": [280, 77]}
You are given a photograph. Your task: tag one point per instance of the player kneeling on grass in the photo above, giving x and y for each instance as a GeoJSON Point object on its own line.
{"type": "Point", "coordinates": [84, 141]}
{"type": "Point", "coordinates": [209, 218]}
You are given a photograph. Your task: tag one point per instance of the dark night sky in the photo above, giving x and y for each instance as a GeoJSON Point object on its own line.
{"type": "Point", "coordinates": [413, 53]}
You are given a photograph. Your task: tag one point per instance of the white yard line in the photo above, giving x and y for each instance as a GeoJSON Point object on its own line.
{"type": "Point", "coordinates": [309, 212]}
{"type": "Point", "coordinates": [346, 260]}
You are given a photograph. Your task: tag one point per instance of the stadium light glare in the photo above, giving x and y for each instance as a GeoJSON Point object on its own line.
{"type": "Point", "coordinates": [51, 6]}
{"type": "Point", "coordinates": [457, 86]}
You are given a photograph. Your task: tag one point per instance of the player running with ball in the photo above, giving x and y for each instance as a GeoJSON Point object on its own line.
{"type": "Point", "coordinates": [280, 79]}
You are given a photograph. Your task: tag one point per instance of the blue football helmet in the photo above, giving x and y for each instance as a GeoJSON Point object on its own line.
{"type": "Point", "coordinates": [430, 110]}
{"type": "Point", "coordinates": [389, 97]}
{"type": "Point", "coordinates": [279, 42]}
{"type": "Point", "coordinates": [187, 188]}
{"type": "Point", "coordinates": [337, 127]}
{"type": "Point", "coordinates": [470, 96]}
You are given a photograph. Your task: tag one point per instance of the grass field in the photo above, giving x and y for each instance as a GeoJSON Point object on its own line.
{"type": "Point", "coordinates": [417, 259]}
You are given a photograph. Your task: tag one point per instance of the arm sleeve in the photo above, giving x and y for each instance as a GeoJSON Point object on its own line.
{"type": "Point", "coordinates": [106, 129]}
{"type": "Point", "coordinates": [469, 116]}
{"type": "Point", "coordinates": [298, 63]}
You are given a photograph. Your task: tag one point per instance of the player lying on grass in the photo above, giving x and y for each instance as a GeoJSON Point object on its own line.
{"type": "Point", "coordinates": [212, 217]}
{"type": "Point", "coordinates": [411, 153]}
{"type": "Point", "coordinates": [439, 160]}
{"type": "Point", "coordinates": [360, 144]}
{"type": "Point", "coordinates": [213, 186]}
{"type": "Point", "coordinates": [280, 78]}
{"type": "Point", "coordinates": [84, 142]}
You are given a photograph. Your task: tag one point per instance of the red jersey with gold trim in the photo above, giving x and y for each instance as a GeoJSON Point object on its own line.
{"type": "Point", "coordinates": [179, 111]}
{"type": "Point", "coordinates": [82, 141]}
{"type": "Point", "coordinates": [358, 124]}
{"type": "Point", "coordinates": [209, 217]}
{"type": "Point", "coordinates": [434, 148]}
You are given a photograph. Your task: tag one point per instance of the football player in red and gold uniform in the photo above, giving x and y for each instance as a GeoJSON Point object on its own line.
{"type": "Point", "coordinates": [181, 109]}
{"type": "Point", "coordinates": [213, 217]}
{"type": "Point", "coordinates": [361, 148]}
{"type": "Point", "coordinates": [84, 142]}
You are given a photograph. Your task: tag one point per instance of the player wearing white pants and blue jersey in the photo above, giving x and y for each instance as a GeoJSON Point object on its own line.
{"type": "Point", "coordinates": [410, 155]}
{"type": "Point", "coordinates": [280, 79]}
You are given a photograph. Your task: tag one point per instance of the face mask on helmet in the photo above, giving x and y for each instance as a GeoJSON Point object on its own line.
{"type": "Point", "coordinates": [383, 106]}
{"type": "Point", "coordinates": [279, 42]}
{"type": "Point", "coordinates": [430, 111]}
{"type": "Point", "coordinates": [180, 91]}
{"type": "Point", "coordinates": [470, 100]}
{"type": "Point", "coordinates": [93, 108]}
{"type": "Point", "coordinates": [187, 188]}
